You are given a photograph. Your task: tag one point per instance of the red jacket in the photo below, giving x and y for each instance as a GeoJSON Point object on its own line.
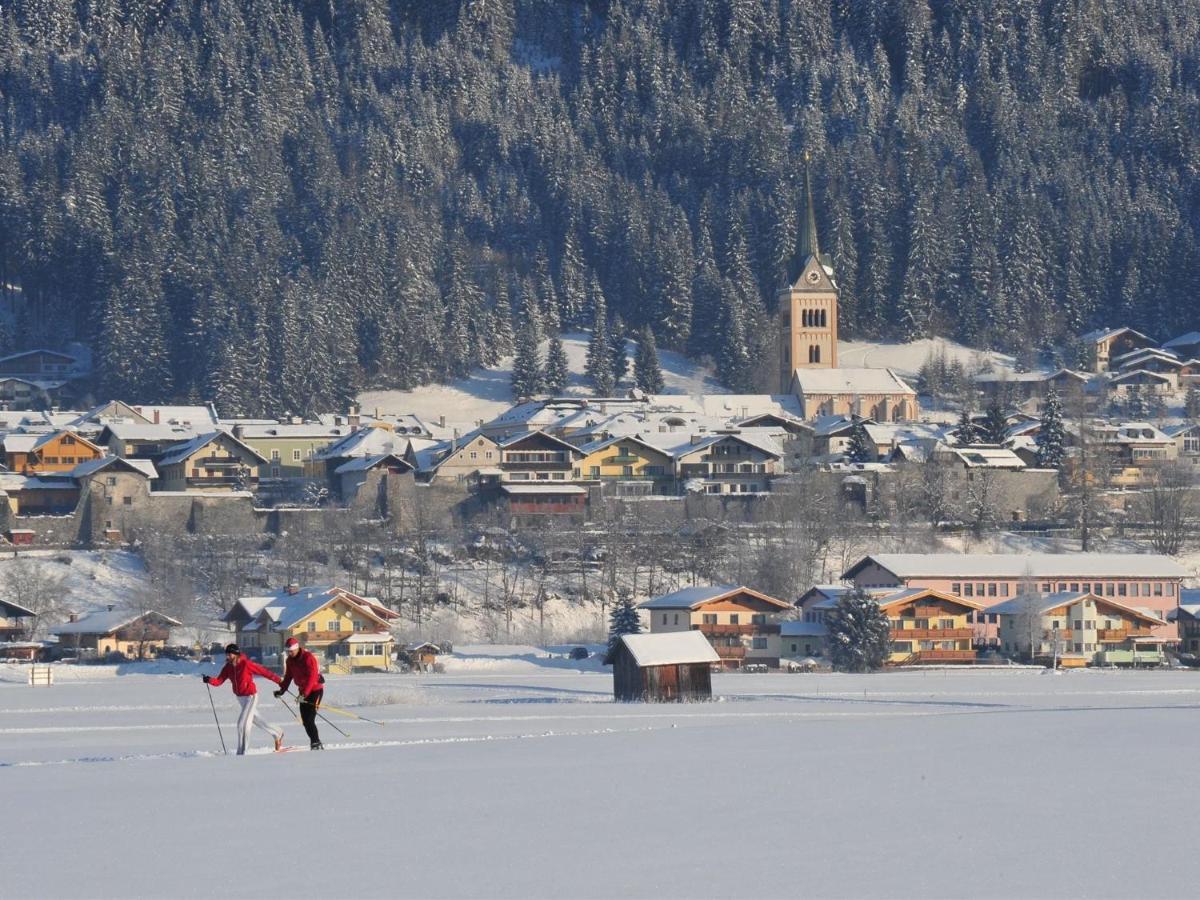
{"type": "Point", "coordinates": [302, 669]}
{"type": "Point", "coordinates": [241, 674]}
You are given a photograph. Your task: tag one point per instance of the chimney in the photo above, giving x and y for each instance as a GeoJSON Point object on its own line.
{"type": "Point", "coordinates": [695, 438]}
{"type": "Point", "coordinates": [157, 413]}
{"type": "Point", "coordinates": [352, 417]}
{"type": "Point", "coordinates": [293, 589]}
{"type": "Point", "coordinates": [441, 421]}
{"type": "Point", "coordinates": [72, 617]}
{"type": "Point", "coordinates": [111, 607]}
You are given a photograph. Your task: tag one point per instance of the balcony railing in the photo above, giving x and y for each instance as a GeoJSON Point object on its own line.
{"type": "Point", "coordinates": [764, 628]}
{"type": "Point", "coordinates": [936, 634]}
{"type": "Point", "coordinates": [944, 655]}
{"type": "Point", "coordinates": [1120, 634]}
{"type": "Point", "coordinates": [220, 481]}
{"type": "Point", "coordinates": [730, 652]}
{"type": "Point", "coordinates": [307, 636]}
{"type": "Point", "coordinates": [217, 462]}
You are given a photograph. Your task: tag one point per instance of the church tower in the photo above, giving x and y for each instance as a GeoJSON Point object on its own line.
{"type": "Point", "coordinates": [808, 304]}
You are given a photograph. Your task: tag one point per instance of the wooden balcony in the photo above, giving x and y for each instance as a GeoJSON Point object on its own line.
{"type": "Point", "coordinates": [730, 652]}
{"type": "Point", "coordinates": [322, 637]}
{"type": "Point", "coordinates": [711, 630]}
{"type": "Point", "coordinates": [1120, 634]}
{"type": "Point", "coordinates": [931, 634]}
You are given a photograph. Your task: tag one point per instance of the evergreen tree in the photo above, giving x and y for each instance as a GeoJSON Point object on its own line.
{"type": "Point", "coordinates": [599, 360]}
{"type": "Point", "coordinates": [527, 366]}
{"type": "Point", "coordinates": [861, 448]}
{"type": "Point", "coordinates": [616, 350]}
{"type": "Point", "coordinates": [1192, 404]}
{"type": "Point", "coordinates": [1136, 407]}
{"type": "Point", "coordinates": [557, 371]}
{"type": "Point", "coordinates": [647, 374]}
{"type": "Point", "coordinates": [1052, 436]}
{"type": "Point", "coordinates": [966, 430]}
{"type": "Point", "coordinates": [859, 633]}
{"type": "Point", "coordinates": [995, 425]}
{"type": "Point", "coordinates": [622, 620]}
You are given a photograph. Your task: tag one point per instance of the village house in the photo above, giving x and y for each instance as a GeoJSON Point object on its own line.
{"type": "Point", "coordinates": [1150, 582]}
{"type": "Point", "coordinates": [536, 456]}
{"type": "Point", "coordinates": [538, 502]}
{"type": "Point", "coordinates": [16, 622]}
{"type": "Point", "coordinates": [626, 466]}
{"type": "Point", "coordinates": [345, 630]}
{"type": "Point", "coordinates": [213, 462]}
{"type": "Point", "coordinates": [40, 364]}
{"type": "Point", "coordinates": [728, 463]}
{"type": "Point", "coordinates": [39, 495]}
{"type": "Point", "coordinates": [662, 668]}
{"type": "Point", "coordinates": [289, 447]}
{"type": "Point", "coordinates": [472, 460]}
{"type": "Point", "coordinates": [133, 634]}
{"type": "Point", "coordinates": [118, 490]}
{"type": "Point", "coordinates": [1089, 630]}
{"type": "Point", "coordinates": [351, 475]}
{"type": "Point", "coordinates": [1103, 344]}
{"type": "Point", "coordinates": [56, 452]}
{"type": "Point", "coordinates": [1187, 619]}
{"type": "Point", "coordinates": [1186, 346]}
{"type": "Point", "coordinates": [929, 626]}
{"type": "Point", "coordinates": [1187, 442]}
{"type": "Point", "coordinates": [802, 640]}
{"type": "Point", "coordinates": [25, 393]}
{"type": "Point", "coordinates": [741, 624]}
{"type": "Point", "coordinates": [146, 440]}
{"type": "Point", "coordinates": [1013, 388]}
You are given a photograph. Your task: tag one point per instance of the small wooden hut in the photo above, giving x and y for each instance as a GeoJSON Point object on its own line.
{"type": "Point", "coordinates": [675, 666]}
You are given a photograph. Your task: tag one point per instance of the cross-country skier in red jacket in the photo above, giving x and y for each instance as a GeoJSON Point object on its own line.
{"type": "Point", "coordinates": [302, 668]}
{"type": "Point", "coordinates": [240, 672]}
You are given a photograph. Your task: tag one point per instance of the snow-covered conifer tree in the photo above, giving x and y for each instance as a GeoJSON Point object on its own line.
{"type": "Point", "coordinates": [647, 374]}
{"type": "Point", "coordinates": [622, 620]}
{"type": "Point", "coordinates": [557, 371]}
{"type": "Point", "coordinates": [1051, 437]}
{"type": "Point", "coordinates": [995, 425]}
{"type": "Point", "coordinates": [859, 635]}
{"type": "Point", "coordinates": [527, 366]}
{"type": "Point", "coordinates": [862, 448]}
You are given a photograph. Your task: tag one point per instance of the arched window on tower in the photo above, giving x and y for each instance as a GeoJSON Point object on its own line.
{"type": "Point", "coordinates": [822, 318]}
{"type": "Point", "coordinates": [814, 353]}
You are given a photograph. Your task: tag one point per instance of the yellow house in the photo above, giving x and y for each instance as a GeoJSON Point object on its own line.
{"type": "Point", "coordinates": [1081, 629]}
{"type": "Point", "coordinates": [216, 461]}
{"type": "Point", "coordinates": [345, 630]}
{"type": "Point", "coordinates": [928, 626]}
{"type": "Point", "coordinates": [59, 451]}
{"type": "Point", "coordinates": [740, 623]}
{"type": "Point", "coordinates": [629, 461]}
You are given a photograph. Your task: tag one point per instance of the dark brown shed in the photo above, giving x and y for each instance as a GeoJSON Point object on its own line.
{"type": "Point", "coordinates": [675, 666]}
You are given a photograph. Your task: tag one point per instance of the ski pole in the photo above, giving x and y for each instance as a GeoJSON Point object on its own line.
{"type": "Point", "coordinates": [323, 719]}
{"type": "Point", "coordinates": [344, 712]}
{"type": "Point", "coordinates": [215, 719]}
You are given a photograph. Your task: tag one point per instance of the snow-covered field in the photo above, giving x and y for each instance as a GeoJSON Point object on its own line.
{"type": "Point", "coordinates": [487, 392]}
{"type": "Point", "coordinates": [519, 778]}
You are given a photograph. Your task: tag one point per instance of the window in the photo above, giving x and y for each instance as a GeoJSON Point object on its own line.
{"type": "Point", "coordinates": [1075, 587]}
{"type": "Point", "coordinates": [759, 618]}
{"type": "Point", "coordinates": [594, 471]}
{"type": "Point", "coordinates": [295, 456]}
{"type": "Point", "coordinates": [992, 589]}
{"type": "Point", "coordinates": [312, 627]}
{"type": "Point", "coordinates": [274, 471]}
{"type": "Point", "coordinates": [758, 643]}
{"type": "Point", "coordinates": [1045, 587]}
{"type": "Point", "coordinates": [108, 501]}
{"type": "Point", "coordinates": [1158, 592]}
{"type": "Point", "coordinates": [979, 588]}
{"type": "Point", "coordinates": [708, 618]}
{"type": "Point", "coordinates": [1108, 589]}
{"type": "Point", "coordinates": [676, 619]}
{"type": "Point", "coordinates": [956, 588]}
{"type": "Point", "coordinates": [1122, 589]}
{"type": "Point", "coordinates": [1078, 625]}
{"type": "Point", "coordinates": [334, 625]}
{"type": "Point", "coordinates": [275, 456]}
{"type": "Point", "coordinates": [474, 455]}
{"type": "Point", "coordinates": [1004, 589]}
{"type": "Point", "coordinates": [127, 501]}
{"type": "Point", "coordinates": [968, 590]}
{"type": "Point", "coordinates": [664, 618]}
{"type": "Point", "coordinates": [945, 623]}
{"type": "Point", "coordinates": [110, 481]}
{"type": "Point", "coordinates": [733, 618]}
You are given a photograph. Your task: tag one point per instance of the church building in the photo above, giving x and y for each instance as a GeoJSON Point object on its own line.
{"type": "Point", "coordinates": [808, 342]}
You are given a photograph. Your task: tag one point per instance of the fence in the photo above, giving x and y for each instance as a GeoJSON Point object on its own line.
{"type": "Point", "coordinates": [41, 675]}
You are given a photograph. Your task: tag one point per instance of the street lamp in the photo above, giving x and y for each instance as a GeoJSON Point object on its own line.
{"type": "Point", "coordinates": [1054, 638]}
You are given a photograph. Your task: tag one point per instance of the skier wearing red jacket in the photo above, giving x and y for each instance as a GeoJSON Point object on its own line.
{"type": "Point", "coordinates": [302, 668]}
{"type": "Point", "coordinates": [240, 672]}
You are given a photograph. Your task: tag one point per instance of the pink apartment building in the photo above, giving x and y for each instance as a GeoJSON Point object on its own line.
{"type": "Point", "coordinates": [1141, 580]}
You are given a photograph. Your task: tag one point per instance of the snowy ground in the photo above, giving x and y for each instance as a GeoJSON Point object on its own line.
{"type": "Point", "coordinates": [487, 392]}
{"type": "Point", "coordinates": [907, 359]}
{"type": "Point", "coordinates": [526, 780]}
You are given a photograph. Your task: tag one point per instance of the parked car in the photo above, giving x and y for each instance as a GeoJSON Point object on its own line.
{"type": "Point", "coordinates": [579, 653]}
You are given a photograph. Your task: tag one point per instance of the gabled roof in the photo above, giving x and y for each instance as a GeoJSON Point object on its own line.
{"type": "Point", "coordinates": [109, 620]}
{"type": "Point", "coordinates": [1102, 334]}
{"type": "Point", "coordinates": [1015, 566]}
{"type": "Point", "coordinates": [672, 648]}
{"type": "Point", "coordinates": [1138, 373]}
{"type": "Point", "coordinates": [1031, 377]}
{"type": "Point", "coordinates": [284, 609]}
{"type": "Point", "coordinates": [911, 594]}
{"type": "Point", "coordinates": [45, 439]}
{"type": "Point", "coordinates": [696, 597]}
{"type": "Point", "coordinates": [1043, 603]}
{"type": "Point", "coordinates": [11, 610]}
{"type": "Point", "coordinates": [366, 441]}
{"type": "Point", "coordinates": [139, 466]}
{"type": "Point", "coordinates": [988, 458]}
{"type": "Point", "coordinates": [851, 381]}
{"type": "Point", "coordinates": [1184, 340]}
{"type": "Point", "coordinates": [762, 442]}
{"type": "Point", "coordinates": [366, 463]}
{"type": "Point", "coordinates": [525, 435]}
{"type": "Point", "coordinates": [181, 452]}
{"type": "Point", "coordinates": [66, 357]}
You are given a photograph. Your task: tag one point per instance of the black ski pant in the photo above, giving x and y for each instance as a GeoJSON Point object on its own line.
{"type": "Point", "coordinates": [308, 715]}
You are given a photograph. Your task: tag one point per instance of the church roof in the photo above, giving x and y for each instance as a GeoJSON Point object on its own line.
{"type": "Point", "coordinates": [809, 245]}
{"type": "Point", "coordinates": [850, 381]}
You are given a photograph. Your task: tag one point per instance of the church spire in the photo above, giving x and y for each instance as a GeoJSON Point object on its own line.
{"type": "Point", "coordinates": [809, 245]}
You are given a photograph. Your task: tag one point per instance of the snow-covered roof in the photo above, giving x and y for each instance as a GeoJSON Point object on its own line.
{"type": "Point", "coordinates": [13, 610]}
{"type": "Point", "coordinates": [695, 597]}
{"type": "Point", "coordinates": [988, 458]}
{"type": "Point", "coordinates": [199, 416]}
{"type": "Point", "coordinates": [368, 637]}
{"type": "Point", "coordinates": [1021, 565]}
{"type": "Point", "coordinates": [366, 463]}
{"type": "Point", "coordinates": [1136, 374]}
{"type": "Point", "coordinates": [140, 431]}
{"type": "Point", "coordinates": [1184, 340]}
{"type": "Point", "coordinates": [107, 621]}
{"type": "Point", "coordinates": [307, 430]}
{"type": "Point", "coordinates": [91, 466]}
{"type": "Point", "coordinates": [1046, 602]}
{"type": "Point", "coordinates": [672, 648]}
{"type": "Point", "coordinates": [803, 629]}
{"type": "Point", "coordinates": [283, 609]}
{"type": "Point", "coordinates": [517, 489]}
{"type": "Point", "coordinates": [181, 452]}
{"type": "Point", "coordinates": [1027, 377]}
{"type": "Point", "coordinates": [365, 442]}
{"type": "Point", "coordinates": [1102, 334]}
{"type": "Point", "coordinates": [851, 381]}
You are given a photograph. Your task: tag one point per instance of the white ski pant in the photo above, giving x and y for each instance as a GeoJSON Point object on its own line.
{"type": "Point", "coordinates": [248, 716]}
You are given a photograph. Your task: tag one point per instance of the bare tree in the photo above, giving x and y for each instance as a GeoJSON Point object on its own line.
{"type": "Point", "coordinates": [35, 587]}
{"type": "Point", "coordinates": [1167, 505]}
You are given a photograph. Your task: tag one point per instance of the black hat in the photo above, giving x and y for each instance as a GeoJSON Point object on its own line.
{"type": "Point", "coordinates": [232, 648]}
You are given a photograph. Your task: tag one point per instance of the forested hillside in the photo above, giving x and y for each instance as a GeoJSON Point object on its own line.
{"type": "Point", "coordinates": [275, 203]}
